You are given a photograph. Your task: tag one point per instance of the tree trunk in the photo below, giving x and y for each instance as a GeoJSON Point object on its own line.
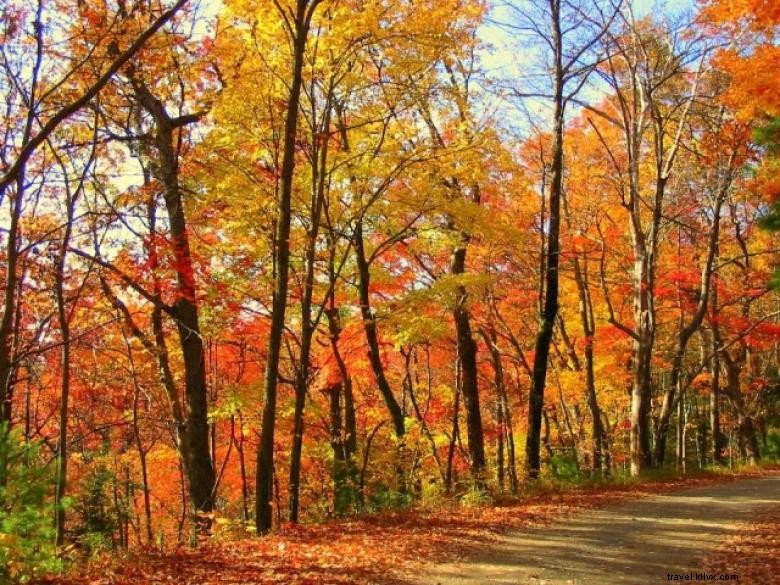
{"type": "Point", "coordinates": [194, 434]}
{"type": "Point", "coordinates": [746, 432]}
{"type": "Point", "coordinates": [455, 429]}
{"type": "Point", "coordinates": [550, 305]}
{"type": "Point", "coordinates": [319, 161]}
{"type": "Point", "coordinates": [343, 470]}
{"type": "Point", "coordinates": [62, 443]}
{"type": "Point", "coordinates": [467, 354]}
{"type": "Point", "coordinates": [141, 451]}
{"type": "Point", "coordinates": [501, 402]}
{"type": "Point", "coordinates": [369, 326]}
{"type": "Point", "coordinates": [265, 454]}
{"type": "Point", "coordinates": [718, 439]}
{"type": "Point", "coordinates": [505, 444]}
{"type": "Point", "coordinates": [686, 332]}
{"type": "Point", "coordinates": [424, 425]}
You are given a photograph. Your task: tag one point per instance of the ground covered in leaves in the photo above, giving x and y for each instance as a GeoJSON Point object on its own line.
{"type": "Point", "coordinates": [753, 553]}
{"type": "Point", "coordinates": [384, 548]}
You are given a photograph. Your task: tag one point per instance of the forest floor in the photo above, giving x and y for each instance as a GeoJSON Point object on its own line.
{"type": "Point", "coordinates": [600, 534]}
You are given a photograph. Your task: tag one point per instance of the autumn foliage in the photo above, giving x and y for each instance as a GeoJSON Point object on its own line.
{"type": "Point", "coordinates": [275, 262]}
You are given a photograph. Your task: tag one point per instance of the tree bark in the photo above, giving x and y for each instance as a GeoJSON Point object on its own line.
{"type": "Point", "coordinates": [265, 455]}
{"type": "Point", "coordinates": [467, 354]}
{"type": "Point", "coordinates": [194, 433]}
{"type": "Point", "coordinates": [369, 326]}
{"type": "Point", "coordinates": [550, 305]}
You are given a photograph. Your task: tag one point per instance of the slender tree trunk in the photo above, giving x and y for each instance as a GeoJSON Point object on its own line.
{"type": "Point", "coordinates": [62, 443]}
{"type": "Point", "coordinates": [588, 331]}
{"type": "Point", "coordinates": [265, 454]}
{"type": "Point", "coordinates": [16, 199]}
{"type": "Point", "coordinates": [194, 433]}
{"type": "Point", "coordinates": [746, 432]}
{"type": "Point", "coordinates": [307, 326]}
{"type": "Point", "coordinates": [455, 429]}
{"type": "Point", "coordinates": [242, 467]}
{"type": "Point", "coordinates": [342, 493]}
{"type": "Point", "coordinates": [63, 319]}
{"type": "Point", "coordinates": [505, 456]}
{"type": "Point", "coordinates": [676, 384]}
{"type": "Point", "coordinates": [141, 451]}
{"type": "Point", "coordinates": [717, 435]}
{"type": "Point", "coordinates": [550, 305]}
{"type": "Point", "coordinates": [681, 434]}
{"type": "Point", "coordinates": [9, 312]}
{"type": "Point", "coordinates": [425, 428]}
{"type": "Point", "coordinates": [500, 434]}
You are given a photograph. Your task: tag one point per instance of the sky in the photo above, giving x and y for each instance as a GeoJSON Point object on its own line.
{"type": "Point", "coordinates": [515, 61]}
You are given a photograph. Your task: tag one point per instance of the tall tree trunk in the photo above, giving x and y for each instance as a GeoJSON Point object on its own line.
{"type": "Point", "coordinates": [500, 436]}
{"type": "Point", "coordinates": [644, 341]}
{"type": "Point", "coordinates": [676, 384]}
{"type": "Point", "coordinates": [12, 252]}
{"type": "Point", "coordinates": [746, 432]}
{"type": "Point", "coordinates": [319, 161]}
{"type": "Point", "coordinates": [717, 435]}
{"type": "Point", "coordinates": [9, 313]}
{"type": "Point", "coordinates": [448, 479]}
{"type": "Point", "coordinates": [588, 331]}
{"type": "Point", "coordinates": [550, 305]}
{"type": "Point", "coordinates": [265, 455]}
{"type": "Point", "coordinates": [140, 448]}
{"type": "Point", "coordinates": [342, 445]}
{"type": "Point", "coordinates": [505, 449]}
{"type": "Point", "coordinates": [194, 433]}
{"type": "Point", "coordinates": [242, 468]}
{"type": "Point", "coordinates": [421, 418]}
{"type": "Point", "coordinates": [63, 319]}
{"type": "Point", "coordinates": [65, 362]}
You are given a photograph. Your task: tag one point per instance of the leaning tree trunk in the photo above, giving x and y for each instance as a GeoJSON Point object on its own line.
{"type": "Point", "coordinates": [370, 329]}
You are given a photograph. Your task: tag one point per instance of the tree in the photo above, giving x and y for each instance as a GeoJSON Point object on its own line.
{"type": "Point", "coordinates": [24, 141]}
{"type": "Point", "coordinates": [643, 67]}
{"type": "Point", "coordinates": [298, 25]}
{"type": "Point", "coordinates": [571, 64]}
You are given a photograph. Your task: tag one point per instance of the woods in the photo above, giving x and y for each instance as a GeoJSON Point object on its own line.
{"type": "Point", "coordinates": [278, 261]}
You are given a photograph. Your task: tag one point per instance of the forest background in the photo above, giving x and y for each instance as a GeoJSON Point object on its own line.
{"type": "Point", "coordinates": [280, 261]}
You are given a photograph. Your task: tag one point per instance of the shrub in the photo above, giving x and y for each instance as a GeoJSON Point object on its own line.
{"type": "Point", "coordinates": [772, 449]}
{"type": "Point", "coordinates": [96, 514]}
{"type": "Point", "coordinates": [27, 535]}
{"type": "Point", "coordinates": [385, 498]}
{"type": "Point", "coordinates": [476, 496]}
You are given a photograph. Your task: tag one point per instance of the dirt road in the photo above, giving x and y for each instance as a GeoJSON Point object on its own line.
{"type": "Point", "coordinates": [634, 542]}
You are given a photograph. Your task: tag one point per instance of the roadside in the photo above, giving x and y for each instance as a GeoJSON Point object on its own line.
{"type": "Point", "coordinates": [388, 548]}
{"type": "Point", "coordinates": [656, 539]}
{"type": "Point", "coordinates": [752, 552]}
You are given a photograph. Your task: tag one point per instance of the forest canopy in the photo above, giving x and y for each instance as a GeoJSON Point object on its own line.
{"type": "Point", "coordinates": [271, 261]}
